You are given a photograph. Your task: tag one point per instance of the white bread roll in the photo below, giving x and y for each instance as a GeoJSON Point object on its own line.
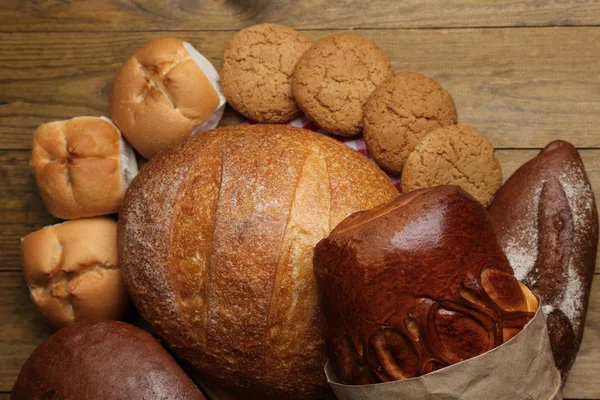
{"type": "Point", "coordinates": [72, 271]}
{"type": "Point", "coordinates": [82, 166]}
{"type": "Point", "coordinates": [163, 93]}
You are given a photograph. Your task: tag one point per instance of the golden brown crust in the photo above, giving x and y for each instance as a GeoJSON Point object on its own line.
{"type": "Point", "coordinates": [334, 78]}
{"type": "Point", "coordinates": [78, 167]}
{"type": "Point", "coordinates": [160, 95]}
{"type": "Point", "coordinates": [400, 112]}
{"type": "Point", "coordinates": [72, 271]}
{"type": "Point", "coordinates": [454, 155]}
{"type": "Point", "coordinates": [216, 239]}
{"type": "Point", "coordinates": [415, 285]}
{"type": "Point", "coordinates": [256, 77]}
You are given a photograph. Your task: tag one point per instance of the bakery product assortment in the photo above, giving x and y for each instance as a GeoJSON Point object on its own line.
{"type": "Point", "coordinates": [73, 273]}
{"type": "Point", "coordinates": [454, 155]}
{"type": "Point", "coordinates": [216, 239]}
{"type": "Point", "coordinates": [334, 78]}
{"type": "Point", "coordinates": [547, 223]}
{"type": "Point", "coordinates": [82, 166]}
{"type": "Point", "coordinates": [415, 285]}
{"type": "Point", "coordinates": [99, 360]}
{"type": "Point", "coordinates": [256, 252]}
{"type": "Point", "coordinates": [257, 70]}
{"type": "Point", "coordinates": [399, 113]}
{"type": "Point", "coordinates": [163, 93]}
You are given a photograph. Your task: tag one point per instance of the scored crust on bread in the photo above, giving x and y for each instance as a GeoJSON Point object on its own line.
{"type": "Point", "coordinates": [101, 360]}
{"type": "Point", "coordinates": [416, 285]}
{"type": "Point", "coordinates": [82, 166]}
{"type": "Point", "coordinates": [163, 93]}
{"type": "Point", "coordinates": [72, 271]}
{"type": "Point", "coordinates": [547, 223]}
{"type": "Point", "coordinates": [216, 238]}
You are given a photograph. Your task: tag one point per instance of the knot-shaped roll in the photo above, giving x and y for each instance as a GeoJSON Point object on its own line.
{"type": "Point", "coordinates": [416, 285]}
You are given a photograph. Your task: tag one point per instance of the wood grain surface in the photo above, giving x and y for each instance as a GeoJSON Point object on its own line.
{"type": "Point", "coordinates": [523, 72]}
{"type": "Point", "coordinates": [521, 87]}
{"type": "Point", "coordinates": [151, 15]}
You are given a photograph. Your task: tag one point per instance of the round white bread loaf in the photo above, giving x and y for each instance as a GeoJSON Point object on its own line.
{"type": "Point", "coordinates": [216, 241]}
{"type": "Point", "coordinates": [163, 93]}
{"type": "Point", "coordinates": [72, 271]}
{"type": "Point", "coordinates": [82, 166]}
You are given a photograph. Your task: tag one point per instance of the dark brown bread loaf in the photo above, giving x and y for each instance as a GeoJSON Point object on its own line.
{"type": "Point", "coordinates": [100, 360]}
{"type": "Point", "coordinates": [216, 239]}
{"type": "Point", "coordinates": [416, 285]}
{"type": "Point", "coordinates": [547, 223]}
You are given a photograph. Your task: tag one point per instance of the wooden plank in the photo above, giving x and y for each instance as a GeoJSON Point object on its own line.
{"type": "Point", "coordinates": [22, 210]}
{"type": "Point", "coordinates": [122, 15]}
{"type": "Point", "coordinates": [24, 331]}
{"type": "Point", "coordinates": [521, 87]}
{"type": "Point", "coordinates": [583, 382]}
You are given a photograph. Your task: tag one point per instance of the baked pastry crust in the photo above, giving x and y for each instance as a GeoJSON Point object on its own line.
{"type": "Point", "coordinates": [415, 285]}
{"type": "Point", "coordinates": [216, 239]}
{"type": "Point", "coordinates": [547, 223]}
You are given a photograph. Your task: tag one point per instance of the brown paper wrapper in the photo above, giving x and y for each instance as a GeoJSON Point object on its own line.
{"type": "Point", "coordinates": [520, 369]}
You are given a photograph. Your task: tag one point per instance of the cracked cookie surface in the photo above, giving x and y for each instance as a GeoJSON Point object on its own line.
{"type": "Point", "coordinates": [401, 112]}
{"type": "Point", "coordinates": [334, 78]}
{"type": "Point", "coordinates": [454, 155]}
{"type": "Point", "coordinates": [256, 77]}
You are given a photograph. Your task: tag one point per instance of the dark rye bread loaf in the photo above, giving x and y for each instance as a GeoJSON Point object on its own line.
{"type": "Point", "coordinates": [216, 239]}
{"type": "Point", "coordinates": [416, 285]}
{"type": "Point", "coordinates": [100, 360]}
{"type": "Point", "coordinates": [547, 223]}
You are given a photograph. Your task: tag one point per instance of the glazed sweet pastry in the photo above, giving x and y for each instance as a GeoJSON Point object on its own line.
{"type": "Point", "coordinates": [416, 285]}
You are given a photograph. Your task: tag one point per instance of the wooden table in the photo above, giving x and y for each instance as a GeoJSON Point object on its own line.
{"type": "Point", "coordinates": [523, 72]}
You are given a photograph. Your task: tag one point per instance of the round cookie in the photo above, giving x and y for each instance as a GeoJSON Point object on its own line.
{"type": "Point", "coordinates": [454, 155]}
{"type": "Point", "coordinates": [256, 77]}
{"type": "Point", "coordinates": [401, 112]}
{"type": "Point", "coordinates": [334, 78]}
